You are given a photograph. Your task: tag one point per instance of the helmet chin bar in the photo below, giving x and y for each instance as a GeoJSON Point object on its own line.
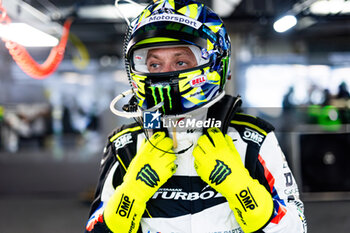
{"type": "Point", "coordinates": [138, 113]}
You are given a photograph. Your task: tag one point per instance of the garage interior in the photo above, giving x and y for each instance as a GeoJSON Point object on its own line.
{"type": "Point", "coordinates": [53, 129]}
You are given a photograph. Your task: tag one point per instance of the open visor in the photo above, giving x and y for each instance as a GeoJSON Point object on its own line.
{"type": "Point", "coordinates": [154, 33]}
{"type": "Point", "coordinates": [140, 59]}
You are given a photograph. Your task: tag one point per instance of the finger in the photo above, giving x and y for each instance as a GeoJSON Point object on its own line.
{"type": "Point", "coordinates": [230, 142]}
{"type": "Point", "coordinates": [173, 168]}
{"type": "Point", "coordinates": [163, 146]}
{"type": "Point", "coordinates": [197, 152]}
{"type": "Point", "coordinates": [170, 165]}
{"type": "Point", "coordinates": [205, 144]}
{"type": "Point", "coordinates": [154, 140]}
{"type": "Point", "coordinates": [217, 137]}
{"type": "Point", "coordinates": [168, 157]}
{"type": "Point", "coordinates": [199, 156]}
{"type": "Point", "coordinates": [143, 144]}
{"type": "Point", "coordinates": [196, 165]}
{"type": "Point", "coordinates": [232, 147]}
{"type": "Point", "coordinates": [166, 163]}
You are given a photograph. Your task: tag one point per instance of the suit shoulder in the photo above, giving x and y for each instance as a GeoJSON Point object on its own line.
{"type": "Point", "coordinates": [240, 121]}
{"type": "Point", "coordinates": [123, 130]}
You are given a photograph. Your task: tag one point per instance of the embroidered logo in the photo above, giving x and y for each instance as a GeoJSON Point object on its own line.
{"type": "Point", "coordinates": [125, 206]}
{"type": "Point", "coordinates": [148, 175]}
{"type": "Point", "coordinates": [247, 200]}
{"type": "Point", "coordinates": [220, 172]}
{"type": "Point", "coordinates": [253, 136]}
{"type": "Point", "coordinates": [123, 140]}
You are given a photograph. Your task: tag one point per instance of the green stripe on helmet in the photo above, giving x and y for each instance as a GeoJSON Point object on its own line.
{"type": "Point", "coordinates": [160, 91]}
{"type": "Point", "coordinates": [169, 96]}
{"type": "Point", "coordinates": [156, 40]}
{"type": "Point", "coordinates": [153, 89]}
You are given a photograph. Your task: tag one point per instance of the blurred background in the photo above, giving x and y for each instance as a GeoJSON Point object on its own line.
{"type": "Point", "coordinates": [293, 71]}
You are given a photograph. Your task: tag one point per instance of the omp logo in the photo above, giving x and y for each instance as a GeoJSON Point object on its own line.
{"type": "Point", "coordinates": [220, 172]}
{"type": "Point", "coordinates": [198, 81]}
{"type": "Point", "coordinates": [125, 206]}
{"type": "Point", "coordinates": [252, 135]}
{"type": "Point", "coordinates": [246, 199]}
{"type": "Point", "coordinates": [122, 141]}
{"type": "Point", "coordinates": [148, 175]}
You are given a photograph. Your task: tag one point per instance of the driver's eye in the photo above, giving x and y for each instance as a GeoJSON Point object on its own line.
{"type": "Point", "coordinates": [154, 65]}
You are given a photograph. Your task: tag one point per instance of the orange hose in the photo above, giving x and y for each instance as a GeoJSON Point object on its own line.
{"type": "Point", "coordinates": [27, 63]}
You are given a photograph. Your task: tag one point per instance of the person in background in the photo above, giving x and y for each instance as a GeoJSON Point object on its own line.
{"type": "Point", "coordinates": [192, 163]}
{"type": "Point", "coordinates": [343, 92]}
{"type": "Point", "coordinates": [287, 102]}
{"type": "Point", "coordinates": [327, 97]}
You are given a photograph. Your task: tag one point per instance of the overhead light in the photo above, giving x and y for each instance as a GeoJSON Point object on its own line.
{"type": "Point", "coordinates": [109, 11]}
{"type": "Point", "coordinates": [224, 8]}
{"type": "Point", "coordinates": [285, 23]}
{"type": "Point", "coordinates": [346, 8]}
{"type": "Point", "coordinates": [326, 7]}
{"type": "Point", "coordinates": [27, 35]}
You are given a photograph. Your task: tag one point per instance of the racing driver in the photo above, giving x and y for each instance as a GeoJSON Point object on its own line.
{"type": "Point", "coordinates": [191, 162]}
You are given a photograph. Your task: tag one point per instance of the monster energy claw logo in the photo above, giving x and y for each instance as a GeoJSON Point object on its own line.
{"type": "Point", "coordinates": [162, 91]}
{"type": "Point", "coordinates": [148, 175]}
{"type": "Point", "coordinates": [220, 172]}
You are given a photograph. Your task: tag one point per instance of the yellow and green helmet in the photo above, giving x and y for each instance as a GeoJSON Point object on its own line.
{"type": "Point", "coordinates": [172, 23]}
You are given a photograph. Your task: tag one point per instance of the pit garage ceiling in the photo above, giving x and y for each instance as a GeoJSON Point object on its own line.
{"type": "Point", "coordinates": [99, 26]}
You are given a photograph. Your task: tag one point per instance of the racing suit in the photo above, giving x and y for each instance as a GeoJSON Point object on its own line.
{"type": "Point", "coordinates": [187, 204]}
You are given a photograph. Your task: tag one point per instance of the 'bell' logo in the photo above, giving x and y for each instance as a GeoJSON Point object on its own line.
{"type": "Point", "coordinates": [198, 81]}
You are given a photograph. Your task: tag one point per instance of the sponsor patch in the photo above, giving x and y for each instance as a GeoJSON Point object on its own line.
{"type": "Point", "coordinates": [246, 199]}
{"type": "Point", "coordinates": [178, 194]}
{"type": "Point", "coordinates": [289, 179]}
{"type": "Point", "coordinates": [148, 175]}
{"type": "Point", "coordinates": [220, 172]}
{"type": "Point", "coordinates": [252, 135]}
{"type": "Point", "coordinates": [125, 206]}
{"type": "Point", "coordinates": [123, 140]}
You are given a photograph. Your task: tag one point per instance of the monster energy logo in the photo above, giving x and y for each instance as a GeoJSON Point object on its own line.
{"type": "Point", "coordinates": [148, 175]}
{"type": "Point", "coordinates": [220, 172]}
{"type": "Point", "coordinates": [161, 93]}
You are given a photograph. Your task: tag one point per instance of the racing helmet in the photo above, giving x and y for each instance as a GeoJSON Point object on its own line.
{"type": "Point", "coordinates": [177, 23]}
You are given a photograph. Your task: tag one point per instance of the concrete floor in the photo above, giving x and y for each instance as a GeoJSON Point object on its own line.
{"type": "Point", "coordinates": [42, 189]}
{"type": "Point", "coordinates": [42, 215]}
{"type": "Point", "coordinates": [328, 216]}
